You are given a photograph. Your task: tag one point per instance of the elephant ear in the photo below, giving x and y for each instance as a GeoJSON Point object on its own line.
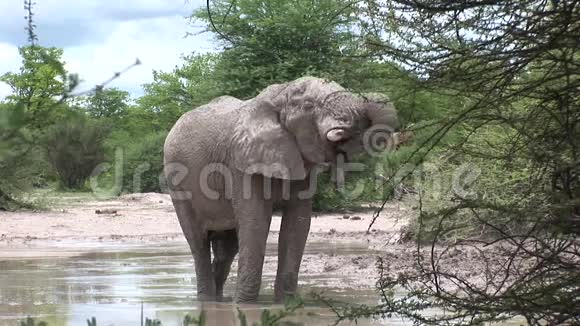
{"type": "Point", "coordinates": [261, 145]}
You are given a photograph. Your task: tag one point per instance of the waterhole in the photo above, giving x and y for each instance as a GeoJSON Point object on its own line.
{"type": "Point", "coordinates": [67, 282]}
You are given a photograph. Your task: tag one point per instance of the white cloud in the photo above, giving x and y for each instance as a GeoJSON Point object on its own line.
{"type": "Point", "coordinates": [102, 37]}
{"type": "Point", "coordinates": [9, 61]}
{"type": "Point", "coordinates": [157, 42]}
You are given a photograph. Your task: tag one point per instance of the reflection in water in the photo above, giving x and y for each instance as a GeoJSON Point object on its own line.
{"type": "Point", "coordinates": [112, 281]}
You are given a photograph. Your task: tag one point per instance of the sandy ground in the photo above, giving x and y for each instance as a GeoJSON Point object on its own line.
{"type": "Point", "coordinates": [152, 215]}
{"type": "Point", "coordinates": [150, 218]}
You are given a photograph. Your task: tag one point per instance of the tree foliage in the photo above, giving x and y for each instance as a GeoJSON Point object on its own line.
{"type": "Point", "coordinates": [267, 42]}
{"type": "Point", "coordinates": [15, 156]}
{"type": "Point", "coordinates": [514, 67]}
{"type": "Point", "coordinates": [39, 84]}
{"type": "Point", "coordinates": [108, 103]}
{"type": "Point", "coordinates": [75, 147]}
{"type": "Point", "coordinates": [144, 165]}
{"type": "Point", "coordinates": [173, 93]}
{"type": "Point", "coordinates": [33, 104]}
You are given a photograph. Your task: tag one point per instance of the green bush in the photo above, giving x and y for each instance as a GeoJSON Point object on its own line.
{"type": "Point", "coordinates": [144, 164]}
{"type": "Point", "coordinates": [74, 148]}
{"type": "Point", "coordinates": [16, 156]}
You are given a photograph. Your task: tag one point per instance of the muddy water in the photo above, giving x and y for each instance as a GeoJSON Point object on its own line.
{"type": "Point", "coordinates": [66, 283]}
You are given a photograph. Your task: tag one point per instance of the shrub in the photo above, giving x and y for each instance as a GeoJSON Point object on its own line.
{"type": "Point", "coordinates": [18, 157]}
{"type": "Point", "coordinates": [74, 148]}
{"type": "Point", "coordinates": [144, 164]}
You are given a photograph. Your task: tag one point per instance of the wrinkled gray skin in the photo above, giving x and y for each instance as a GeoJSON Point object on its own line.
{"type": "Point", "coordinates": [296, 126]}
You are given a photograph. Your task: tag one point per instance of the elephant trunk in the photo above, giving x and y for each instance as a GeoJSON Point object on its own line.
{"type": "Point", "coordinates": [381, 112]}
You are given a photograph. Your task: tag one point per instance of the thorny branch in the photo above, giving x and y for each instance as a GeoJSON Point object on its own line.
{"type": "Point", "coordinates": [516, 63]}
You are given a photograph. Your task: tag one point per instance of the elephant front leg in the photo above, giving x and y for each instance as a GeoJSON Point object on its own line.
{"type": "Point", "coordinates": [293, 234]}
{"type": "Point", "coordinates": [253, 222]}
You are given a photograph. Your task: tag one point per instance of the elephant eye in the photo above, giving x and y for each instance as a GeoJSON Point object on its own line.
{"type": "Point", "coordinates": [307, 105]}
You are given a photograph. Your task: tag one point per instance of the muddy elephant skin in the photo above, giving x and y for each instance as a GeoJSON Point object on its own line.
{"type": "Point", "coordinates": [230, 163]}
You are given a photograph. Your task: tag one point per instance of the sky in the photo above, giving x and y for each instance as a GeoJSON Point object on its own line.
{"type": "Point", "coordinates": [101, 37]}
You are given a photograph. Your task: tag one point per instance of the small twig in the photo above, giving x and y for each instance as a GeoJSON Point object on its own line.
{"type": "Point", "coordinates": [30, 26]}
{"type": "Point", "coordinates": [102, 85]}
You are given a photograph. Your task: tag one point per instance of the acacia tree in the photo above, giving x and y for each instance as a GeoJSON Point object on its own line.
{"type": "Point", "coordinates": [515, 65]}
{"type": "Point", "coordinates": [110, 103]}
{"type": "Point", "coordinates": [267, 42]}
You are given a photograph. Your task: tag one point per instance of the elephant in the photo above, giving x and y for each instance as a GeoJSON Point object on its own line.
{"type": "Point", "coordinates": [230, 163]}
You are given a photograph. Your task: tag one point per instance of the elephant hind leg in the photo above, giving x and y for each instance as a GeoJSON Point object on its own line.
{"type": "Point", "coordinates": [199, 244]}
{"type": "Point", "coordinates": [225, 247]}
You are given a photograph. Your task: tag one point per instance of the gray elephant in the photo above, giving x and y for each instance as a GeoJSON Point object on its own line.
{"type": "Point", "coordinates": [230, 163]}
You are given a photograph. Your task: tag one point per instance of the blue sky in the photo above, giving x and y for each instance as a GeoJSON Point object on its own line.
{"type": "Point", "coordinates": [101, 37]}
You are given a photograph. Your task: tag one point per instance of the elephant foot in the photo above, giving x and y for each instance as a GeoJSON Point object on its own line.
{"type": "Point", "coordinates": [282, 298]}
{"type": "Point", "coordinates": [285, 286]}
{"type": "Point", "coordinates": [204, 297]}
{"type": "Point", "coordinates": [224, 299]}
{"type": "Point", "coordinates": [246, 298]}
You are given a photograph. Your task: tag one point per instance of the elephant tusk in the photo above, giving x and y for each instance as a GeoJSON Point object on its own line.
{"type": "Point", "coordinates": [335, 135]}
